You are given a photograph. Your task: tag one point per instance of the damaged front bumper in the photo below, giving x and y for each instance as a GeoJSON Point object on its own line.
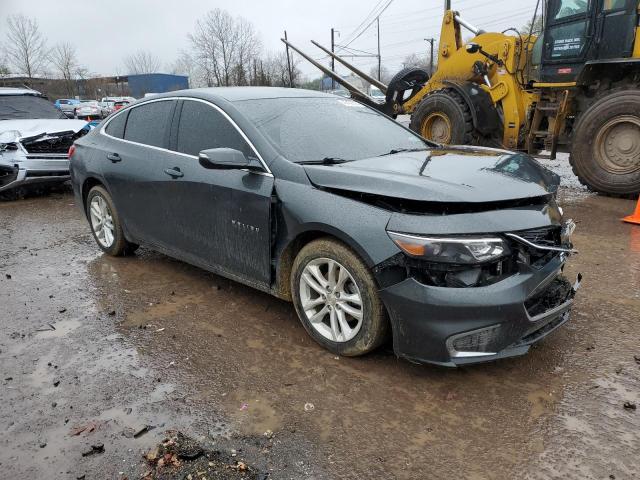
{"type": "Point", "coordinates": [36, 160]}
{"type": "Point", "coordinates": [459, 326]}
{"type": "Point", "coordinates": [17, 172]}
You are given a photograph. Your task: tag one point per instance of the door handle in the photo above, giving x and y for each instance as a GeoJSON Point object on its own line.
{"type": "Point", "coordinates": [114, 157]}
{"type": "Point", "coordinates": [174, 172]}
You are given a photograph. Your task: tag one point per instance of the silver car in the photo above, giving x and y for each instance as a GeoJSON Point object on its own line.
{"type": "Point", "coordinates": [35, 138]}
{"type": "Point", "coordinates": [89, 110]}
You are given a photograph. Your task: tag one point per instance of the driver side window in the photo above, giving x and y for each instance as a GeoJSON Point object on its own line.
{"type": "Point", "coordinates": [202, 127]}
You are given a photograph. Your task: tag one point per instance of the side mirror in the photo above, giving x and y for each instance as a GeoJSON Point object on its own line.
{"type": "Point", "coordinates": [224, 158]}
{"type": "Point", "coordinates": [473, 48]}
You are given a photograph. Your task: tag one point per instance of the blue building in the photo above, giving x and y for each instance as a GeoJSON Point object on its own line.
{"type": "Point", "coordinates": [155, 83]}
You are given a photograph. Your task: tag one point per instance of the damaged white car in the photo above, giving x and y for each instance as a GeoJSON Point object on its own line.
{"type": "Point", "coordinates": [35, 138]}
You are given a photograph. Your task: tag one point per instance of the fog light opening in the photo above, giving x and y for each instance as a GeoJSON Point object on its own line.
{"type": "Point", "coordinates": [476, 343]}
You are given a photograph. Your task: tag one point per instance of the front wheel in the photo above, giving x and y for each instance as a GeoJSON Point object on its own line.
{"type": "Point", "coordinates": [105, 223]}
{"type": "Point", "coordinates": [336, 299]}
{"type": "Point", "coordinates": [605, 152]}
{"type": "Point", "coordinates": [444, 117]}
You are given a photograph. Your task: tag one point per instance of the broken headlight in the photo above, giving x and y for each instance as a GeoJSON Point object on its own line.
{"type": "Point", "coordinates": [457, 250]}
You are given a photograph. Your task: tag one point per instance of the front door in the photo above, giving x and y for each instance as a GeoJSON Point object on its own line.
{"type": "Point", "coordinates": [219, 217]}
{"type": "Point", "coordinates": [567, 39]}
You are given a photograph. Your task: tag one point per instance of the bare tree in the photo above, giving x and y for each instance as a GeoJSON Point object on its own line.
{"type": "Point", "coordinates": [185, 65]}
{"type": "Point", "coordinates": [4, 68]}
{"type": "Point", "coordinates": [385, 75]}
{"type": "Point", "coordinates": [141, 62]}
{"type": "Point", "coordinates": [26, 48]}
{"type": "Point", "coordinates": [415, 60]}
{"type": "Point", "coordinates": [65, 62]}
{"type": "Point", "coordinates": [224, 49]}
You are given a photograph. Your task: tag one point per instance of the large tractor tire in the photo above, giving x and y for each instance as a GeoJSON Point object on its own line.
{"type": "Point", "coordinates": [405, 85]}
{"type": "Point", "coordinates": [605, 153]}
{"type": "Point", "coordinates": [444, 117]}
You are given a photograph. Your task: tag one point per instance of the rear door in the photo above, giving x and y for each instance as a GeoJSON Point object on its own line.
{"type": "Point", "coordinates": [133, 156]}
{"type": "Point", "coordinates": [221, 218]}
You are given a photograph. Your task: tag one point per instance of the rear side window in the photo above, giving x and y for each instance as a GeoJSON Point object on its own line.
{"type": "Point", "coordinates": [202, 127]}
{"type": "Point", "coordinates": [115, 128]}
{"type": "Point", "coordinates": [147, 123]}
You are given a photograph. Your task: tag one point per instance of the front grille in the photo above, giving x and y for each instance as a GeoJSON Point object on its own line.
{"type": "Point", "coordinates": [547, 236]}
{"type": "Point", "coordinates": [51, 145]}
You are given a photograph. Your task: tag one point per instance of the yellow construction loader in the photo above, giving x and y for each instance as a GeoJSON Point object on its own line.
{"type": "Point", "coordinates": [575, 88]}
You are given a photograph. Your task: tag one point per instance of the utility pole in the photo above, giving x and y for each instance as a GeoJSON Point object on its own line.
{"type": "Point", "coordinates": [333, 63]}
{"type": "Point", "coordinates": [288, 63]}
{"type": "Point", "coordinates": [379, 58]}
{"type": "Point", "coordinates": [430, 40]}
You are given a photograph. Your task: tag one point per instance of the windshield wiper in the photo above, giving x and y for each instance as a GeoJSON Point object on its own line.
{"type": "Point", "coordinates": [393, 151]}
{"type": "Point", "coordinates": [325, 161]}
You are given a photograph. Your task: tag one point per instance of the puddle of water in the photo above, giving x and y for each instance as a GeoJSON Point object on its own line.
{"type": "Point", "coordinates": [252, 416]}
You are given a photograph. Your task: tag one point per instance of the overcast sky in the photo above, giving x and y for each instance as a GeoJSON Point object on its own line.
{"type": "Point", "coordinates": [104, 32]}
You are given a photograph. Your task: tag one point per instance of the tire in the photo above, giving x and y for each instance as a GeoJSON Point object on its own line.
{"type": "Point", "coordinates": [444, 117]}
{"type": "Point", "coordinates": [605, 153]}
{"type": "Point", "coordinates": [118, 245]}
{"type": "Point", "coordinates": [409, 78]}
{"type": "Point", "coordinates": [363, 335]}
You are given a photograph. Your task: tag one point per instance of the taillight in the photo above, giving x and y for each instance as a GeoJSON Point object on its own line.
{"type": "Point", "coordinates": [72, 150]}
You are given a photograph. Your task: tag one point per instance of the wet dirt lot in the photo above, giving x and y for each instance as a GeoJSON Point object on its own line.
{"type": "Point", "coordinates": [93, 349]}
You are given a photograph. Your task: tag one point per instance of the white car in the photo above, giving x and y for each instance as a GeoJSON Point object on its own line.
{"type": "Point", "coordinates": [89, 110]}
{"type": "Point", "coordinates": [35, 138]}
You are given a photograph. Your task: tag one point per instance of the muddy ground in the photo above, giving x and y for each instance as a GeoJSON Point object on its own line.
{"type": "Point", "coordinates": [93, 349]}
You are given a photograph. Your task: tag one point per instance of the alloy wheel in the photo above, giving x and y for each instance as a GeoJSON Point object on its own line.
{"type": "Point", "coordinates": [331, 300]}
{"type": "Point", "coordinates": [102, 221]}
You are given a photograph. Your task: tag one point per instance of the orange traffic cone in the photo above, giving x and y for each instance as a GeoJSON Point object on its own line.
{"type": "Point", "coordinates": [635, 216]}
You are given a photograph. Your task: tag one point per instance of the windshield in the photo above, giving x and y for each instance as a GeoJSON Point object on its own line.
{"type": "Point", "coordinates": [312, 129]}
{"type": "Point", "coordinates": [23, 107]}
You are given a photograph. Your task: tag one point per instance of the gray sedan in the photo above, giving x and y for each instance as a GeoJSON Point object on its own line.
{"type": "Point", "coordinates": [454, 254]}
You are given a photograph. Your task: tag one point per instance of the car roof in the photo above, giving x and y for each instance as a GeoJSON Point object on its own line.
{"type": "Point", "coordinates": [235, 94]}
{"type": "Point", "coordinates": [18, 91]}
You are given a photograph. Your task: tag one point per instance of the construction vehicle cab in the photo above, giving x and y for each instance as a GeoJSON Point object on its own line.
{"type": "Point", "coordinates": [578, 35]}
{"type": "Point", "coordinates": [575, 88]}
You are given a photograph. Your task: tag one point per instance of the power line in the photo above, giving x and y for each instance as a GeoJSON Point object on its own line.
{"type": "Point", "coordinates": [389, 2]}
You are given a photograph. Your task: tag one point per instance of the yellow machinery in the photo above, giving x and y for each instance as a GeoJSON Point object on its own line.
{"type": "Point", "coordinates": [576, 88]}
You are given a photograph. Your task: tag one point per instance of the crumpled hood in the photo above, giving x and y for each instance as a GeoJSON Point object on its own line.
{"type": "Point", "coordinates": [459, 174]}
{"type": "Point", "coordinates": [15, 130]}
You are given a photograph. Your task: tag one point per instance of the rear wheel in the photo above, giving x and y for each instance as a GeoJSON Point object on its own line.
{"type": "Point", "coordinates": [605, 152]}
{"type": "Point", "coordinates": [443, 117]}
{"type": "Point", "coordinates": [105, 223]}
{"type": "Point", "coordinates": [336, 298]}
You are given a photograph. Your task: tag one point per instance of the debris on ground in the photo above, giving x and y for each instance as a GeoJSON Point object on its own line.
{"type": "Point", "coordinates": [629, 406]}
{"type": "Point", "coordinates": [137, 433]}
{"type": "Point", "coordinates": [179, 456]}
{"type": "Point", "coordinates": [86, 429]}
{"type": "Point", "coordinates": [46, 328]}
{"type": "Point", "coordinates": [309, 407]}
{"type": "Point", "coordinates": [97, 448]}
